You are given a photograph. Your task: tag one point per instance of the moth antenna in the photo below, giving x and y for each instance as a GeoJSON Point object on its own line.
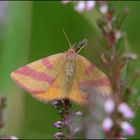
{"type": "Point", "coordinates": [67, 38]}
{"type": "Point", "coordinates": [80, 49]}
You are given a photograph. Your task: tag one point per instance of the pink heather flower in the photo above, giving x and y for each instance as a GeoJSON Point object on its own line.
{"type": "Point", "coordinates": [126, 111]}
{"type": "Point", "coordinates": [90, 5]}
{"type": "Point", "coordinates": [12, 138]}
{"type": "Point", "coordinates": [103, 9]}
{"type": "Point", "coordinates": [79, 113]}
{"type": "Point", "coordinates": [118, 34]}
{"type": "Point", "coordinates": [65, 1]}
{"type": "Point", "coordinates": [59, 124]}
{"type": "Point", "coordinates": [109, 106]}
{"type": "Point", "coordinates": [107, 124]}
{"type": "Point", "coordinates": [59, 135]}
{"type": "Point", "coordinates": [127, 128]}
{"type": "Point", "coordinates": [80, 6]}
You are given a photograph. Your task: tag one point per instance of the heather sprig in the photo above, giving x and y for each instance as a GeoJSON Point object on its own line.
{"type": "Point", "coordinates": [64, 125]}
{"type": "Point", "coordinates": [117, 106]}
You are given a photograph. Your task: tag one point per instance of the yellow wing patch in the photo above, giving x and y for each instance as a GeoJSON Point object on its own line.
{"type": "Point", "coordinates": [37, 76]}
{"type": "Point", "coordinates": [55, 91]}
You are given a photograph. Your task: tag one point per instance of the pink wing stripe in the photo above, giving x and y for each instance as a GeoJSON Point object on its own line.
{"type": "Point", "coordinates": [96, 83]}
{"type": "Point", "coordinates": [45, 61]}
{"type": "Point", "coordinates": [89, 69]}
{"type": "Point", "coordinates": [35, 75]}
{"type": "Point", "coordinates": [27, 88]}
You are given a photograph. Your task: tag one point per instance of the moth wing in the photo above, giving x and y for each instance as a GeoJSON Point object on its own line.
{"type": "Point", "coordinates": [38, 76]}
{"type": "Point", "coordinates": [88, 76]}
{"type": "Point", "coordinates": [55, 91]}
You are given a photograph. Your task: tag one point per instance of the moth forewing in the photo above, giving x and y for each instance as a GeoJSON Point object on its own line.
{"type": "Point", "coordinates": [38, 76]}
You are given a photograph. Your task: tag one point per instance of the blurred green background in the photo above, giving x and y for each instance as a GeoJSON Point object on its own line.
{"type": "Point", "coordinates": [32, 30]}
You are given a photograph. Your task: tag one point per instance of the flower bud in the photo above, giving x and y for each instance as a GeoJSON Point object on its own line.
{"type": "Point", "coordinates": [103, 9]}
{"type": "Point", "coordinates": [56, 104]}
{"type": "Point", "coordinates": [109, 106]}
{"type": "Point", "coordinates": [59, 124]}
{"type": "Point", "coordinates": [127, 128]}
{"type": "Point", "coordinates": [80, 6]}
{"type": "Point", "coordinates": [65, 1]}
{"type": "Point", "coordinates": [90, 5]}
{"type": "Point", "coordinates": [78, 113]}
{"type": "Point", "coordinates": [126, 111]}
{"type": "Point", "coordinates": [107, 124]}
{"type": "Point", "coordinates": [59, 135]}
{"type": "Point", "coordinates": [12, 138]}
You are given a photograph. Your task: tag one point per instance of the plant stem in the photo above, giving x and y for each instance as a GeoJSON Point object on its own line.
{"type": "Point", "coordinates": [68, 119]}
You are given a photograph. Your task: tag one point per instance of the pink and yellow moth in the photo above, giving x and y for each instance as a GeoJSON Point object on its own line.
{"type": "Point", "coordinates": [61, 75]}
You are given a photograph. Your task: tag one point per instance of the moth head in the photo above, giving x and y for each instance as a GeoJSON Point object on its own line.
{"type": "Point", "coordinates": [78, 47]}
{"type": "Point", "coordinates": [75, 48]}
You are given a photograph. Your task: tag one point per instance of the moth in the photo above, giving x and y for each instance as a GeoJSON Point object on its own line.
{"type": "Point", "coordinates": [61, 75]}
